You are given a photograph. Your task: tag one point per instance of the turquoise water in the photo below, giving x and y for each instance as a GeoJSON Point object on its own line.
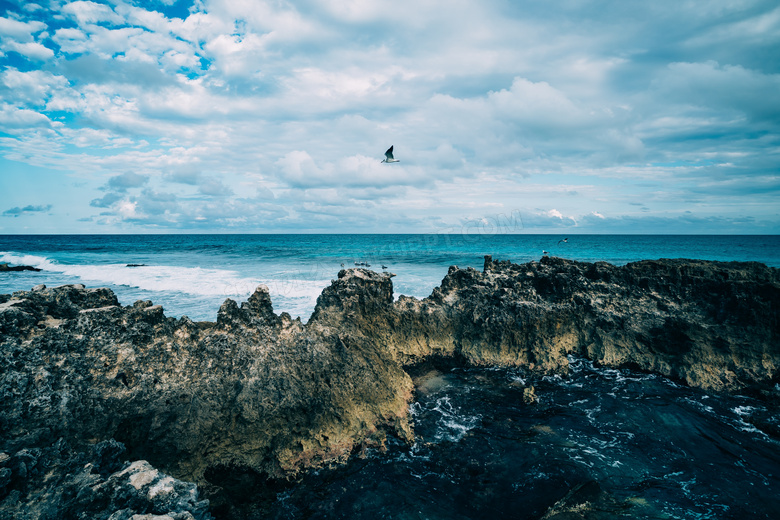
{"type": "Point", "coordinates": [193, 274]}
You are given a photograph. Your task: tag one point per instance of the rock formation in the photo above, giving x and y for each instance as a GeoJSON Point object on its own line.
{"type": "Point", "coordinates": [712, 324]}
{"type": "Point", "coordinates": [261, 393]}
{"type": "Point", "coordinates": [4, 267]}
{"type": "Point", "coordinates": [58, 482]}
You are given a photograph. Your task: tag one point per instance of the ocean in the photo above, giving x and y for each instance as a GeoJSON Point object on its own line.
{"type": "Point", "coordinates": [653, 445]}
{"type": "Point", "coordinates": [193, 274]}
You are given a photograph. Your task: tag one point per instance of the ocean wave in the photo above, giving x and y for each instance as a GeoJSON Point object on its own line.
{"type": "Point", "coordinates": [453, 425]}
{"type": "Point", "coordinates": [294, 294]}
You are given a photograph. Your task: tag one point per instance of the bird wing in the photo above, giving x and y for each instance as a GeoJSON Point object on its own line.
{"type": "Point", "coordinates": [389, 153]}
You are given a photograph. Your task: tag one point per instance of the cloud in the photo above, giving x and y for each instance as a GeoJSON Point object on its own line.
{"type": "Point", "coordinates": [214, 188]}
{"type": "Point", "coordinates": [18, 30]}
{"type": "Point", "coordinates": [275, 116]}
{"type": "Point", "coordinates": [18, 211]}
{"type": "Point", "coordinates": [300, 170]}
{"type": "Point", "coordinates": [127, 180]}
{"type": "Point", "coordinates": [725, 89]}
{"type": "Point", "coordinates": [185, 176]}
{"type": "Point", "coordinates": [32, 50]}
{"type": "Point", "coordinates": [87, 12]}
{"type": "Point", "coordinates": [155, 203]}
{"type": "Point", "coordinates": [106, 201]}
{"type": "Point", "coordinates": [13, 117]}
{"type": "Point", "coordinates": [31, 87]}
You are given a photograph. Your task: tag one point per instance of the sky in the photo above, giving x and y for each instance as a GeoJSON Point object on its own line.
{"type": "Point", "coordinates": [251, 116]}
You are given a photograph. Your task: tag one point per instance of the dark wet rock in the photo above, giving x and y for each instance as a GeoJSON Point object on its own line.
{"type": "Point", "coordinates": [261, 393]}
{"type": "Point", "coordinates": [59, 482]}
{"type": "Point", "coordinates": [587, 501]}
{"type": "Point", "coordinates": [11, 268]}
{"type": "Point", "coordinates": [713, 325]}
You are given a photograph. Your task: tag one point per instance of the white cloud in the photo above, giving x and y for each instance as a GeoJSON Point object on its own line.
{"type": "Point", "coordinates": [18, 30]}
{"type": "Point", "coordinates": [281, 21]}
{"type": "Point", "coordinates": [237, 55]}
{"type": "Point", "coordinates": [32, 50]}
{"type": "Point", "coordinates": [300, 170]}
{"type": "Point", "coordinates": [14, 118]}
{"type": "Point", "coordinates": [87, 12]}
{"type": "Point", "coordinates": [490, 106]}
{"type": "Point", "coordinates": [71, 40]}
{"type": "Point", "coordinates": [33, 87]}
{"type": "Point", "coordinates": [325, 91]}
{"type": "Point", "coordinates": [127, 209]}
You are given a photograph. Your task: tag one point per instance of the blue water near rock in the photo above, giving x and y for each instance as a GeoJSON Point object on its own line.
{"type": "Point", "coordinates": [654, 448]}
{"type": "Point", "coordinates": [193, 274]}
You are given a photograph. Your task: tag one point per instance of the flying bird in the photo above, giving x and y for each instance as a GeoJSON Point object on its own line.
{"type": "Point", "coordinates": [389, 156]}
{"type": "Point", "coordinates": [564, 240]}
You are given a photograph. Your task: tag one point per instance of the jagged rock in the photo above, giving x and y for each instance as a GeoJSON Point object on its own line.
{"type": "Point", "coordinates": [712, 324]}
{"type": "Point", "coordinates": [7, 268]}
{"type": "Point", "coordinates": [257, 392]}
{"type": "Point", "coordinates": [58, 482]}
{"type": "Point", "coordinates": [587, 501]}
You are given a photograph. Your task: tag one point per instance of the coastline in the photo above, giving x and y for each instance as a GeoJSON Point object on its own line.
{"type": "Point", "coordinates": [263, 391]}
{"type": "Point", "coordinates": [193, 274]}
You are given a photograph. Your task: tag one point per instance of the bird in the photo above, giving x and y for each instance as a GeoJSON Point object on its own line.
{"type": "Point", "coordinates": [384, 266]}
{"type": "Point", "coordinates": [564, 240]}
{"type": "Point", "coordinates": [389, 156]}
{"type": "Point", "coordinates": [544, 252]}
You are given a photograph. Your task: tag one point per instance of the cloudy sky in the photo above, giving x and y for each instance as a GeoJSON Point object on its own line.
{"type": "Point", "coordinates": [130, 116]}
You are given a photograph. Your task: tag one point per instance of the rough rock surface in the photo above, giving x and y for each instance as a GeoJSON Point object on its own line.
{"type": "Point", "coordinates": [263, 393]}
{"type": "Point", "coordinates": [714, 325]}
{"type": "Point", "coordinates": [253, 391]}
{"type": "Point", "coordinates": [57, 482]}
{"type": "Point", "coordinates": [4, 267]}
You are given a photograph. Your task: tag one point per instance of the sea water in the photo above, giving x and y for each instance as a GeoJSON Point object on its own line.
{"type": "Point", "coordinates": [193, 274]}
{"type": "Point", "coordinates": [657, 449]}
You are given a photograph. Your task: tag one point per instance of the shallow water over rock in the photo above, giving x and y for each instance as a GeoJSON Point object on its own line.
{"type": "Point", "coordinates": [600, 443]}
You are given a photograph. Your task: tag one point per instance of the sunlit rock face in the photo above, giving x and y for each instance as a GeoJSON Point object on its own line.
{"type": "Point", "coordinates": [253, 389]}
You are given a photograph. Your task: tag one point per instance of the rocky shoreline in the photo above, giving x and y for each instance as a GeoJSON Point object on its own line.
{"type": "Point", "coordinates": [87, 383]}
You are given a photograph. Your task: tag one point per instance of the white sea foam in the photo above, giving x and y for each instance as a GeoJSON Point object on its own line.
{"type": "Point", "coordinates": [452, 424]}
{"type": "Point", "coordinates": [296, 296]}
{"type": "Point", "coordinates": [743, 415]}
{"type": "Point", "coordinates": [159, 278]}
{"type": "Point", "coordinates": [744, 410]}
{"type": "Point", "coordinates": [22, 259]}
